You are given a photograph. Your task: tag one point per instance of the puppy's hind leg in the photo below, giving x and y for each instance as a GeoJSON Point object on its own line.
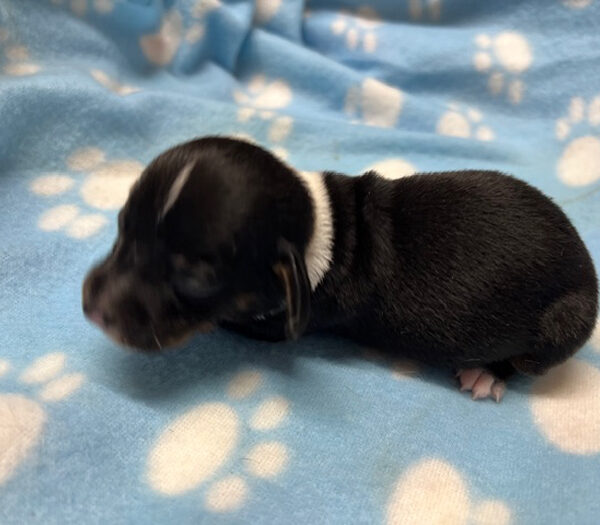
{"type": "Point", "coordinates": [564, 327]}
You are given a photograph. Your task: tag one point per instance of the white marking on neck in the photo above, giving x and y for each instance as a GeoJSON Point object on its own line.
{"type": "Point", "coordinates": [176, 188]}
{"type": "Point", "coordinates": [319, 252]}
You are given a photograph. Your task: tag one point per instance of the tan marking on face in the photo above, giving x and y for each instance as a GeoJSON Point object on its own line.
{"type": "Point", "coordinates": [244, 301]}
{"type": "Point", "coordinates": [205, 327]}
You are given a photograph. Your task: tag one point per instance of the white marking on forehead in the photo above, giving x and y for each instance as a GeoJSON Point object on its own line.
{"type": "Point", "coordinates": [319, 252]}
{"type": "Point", "coordinates": [176, 188]}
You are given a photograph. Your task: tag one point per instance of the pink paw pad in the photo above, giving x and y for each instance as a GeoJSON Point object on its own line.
{"type": "Point", "coordinates": [481, 384]}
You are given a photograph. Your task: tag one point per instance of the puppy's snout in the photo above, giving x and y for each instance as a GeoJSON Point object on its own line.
{"type": "Point", "coordinates": [103, 319]}
{"type": "Point", "coordinates": [124, 307]}
{"type": "Point", "coordinates": [134, 306]}
{"type": "Point", "coordinates": [91, 309]}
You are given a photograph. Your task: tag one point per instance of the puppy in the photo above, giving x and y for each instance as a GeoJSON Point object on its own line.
{"type": "Point", "coordinates": [471, 270]}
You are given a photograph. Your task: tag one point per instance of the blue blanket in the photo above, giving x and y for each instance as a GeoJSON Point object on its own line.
{"type": "Point", "coordinates": [233, 431]}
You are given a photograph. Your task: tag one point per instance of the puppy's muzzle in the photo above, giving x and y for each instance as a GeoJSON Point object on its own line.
{"type": "Point", "coordinates": [96, 316]}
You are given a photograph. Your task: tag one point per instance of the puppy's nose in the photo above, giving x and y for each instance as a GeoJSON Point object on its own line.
{"type": "Point", "coordinates": [96, 316]}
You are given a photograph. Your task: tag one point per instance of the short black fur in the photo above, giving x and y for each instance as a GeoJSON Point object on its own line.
{"type": "Point", "coordinates": [461, 269]}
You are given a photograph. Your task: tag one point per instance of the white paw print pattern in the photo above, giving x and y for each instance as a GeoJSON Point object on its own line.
{"type": "Point", "coordinates": [161, 46]}
{"type": "Point", "coordinates": [504, 58]}
{"type": "Point", "coordinates": [419, 9]}
{"type": "Point", "coordinates": [262, 93]}
{"type": "Point", "coordinates": [565, 404]}
{"type": "Point", "coordinates": [105, 188]}
{"type": "Point", "coordinates": [260, 99]}
{"type": "Point", "coordinates": [579, 163]}
{"type": "Point", "coordinates": [393, 168]}
{"type": "Point", "coordinates": [433, 491]}
{"type": "Point", "coordinates": [82, 7]}
{"type": "Point", "coordinates": [265, 10]}
{"type": "Point", "coordinates": [464, 123]}
{"type": "Point", "coordinates": [111, 84]}
{"type": "Point", "coordinates": [358, 29]}
{"type": "Point", "coordinates": [577, 4]}
{"type": "Point", "coordinates": [24, 418]}
{"type": "Point", "coordinates": [374, 103]}
{"type": "Point", "coordinates": [15, 56]}
{"type": "Point", "coordinates": [200, 448]}
{"type": "Point", "coordinates": [200, 9]}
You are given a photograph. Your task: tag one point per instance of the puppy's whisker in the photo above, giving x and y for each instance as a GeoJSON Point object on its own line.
{"type": "Point", "coordinates": [156, 337]}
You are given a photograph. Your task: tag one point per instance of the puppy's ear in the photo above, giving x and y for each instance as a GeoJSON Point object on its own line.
{"type": "Point", "coordinates": [291, 271]}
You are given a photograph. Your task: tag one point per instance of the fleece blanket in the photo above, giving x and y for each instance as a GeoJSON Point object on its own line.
{"type": "Point", "coordinates": [321, 431]}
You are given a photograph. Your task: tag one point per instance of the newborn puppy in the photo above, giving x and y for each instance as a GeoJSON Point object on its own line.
{"type": "Point", "coordinates": [472, 270]}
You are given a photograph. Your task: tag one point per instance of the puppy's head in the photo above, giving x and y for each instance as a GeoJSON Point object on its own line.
{"type": "Point", "coordinates": [214, 230]}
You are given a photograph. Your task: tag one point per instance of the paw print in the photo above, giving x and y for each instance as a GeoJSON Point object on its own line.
{"type": "Point", "coordinates": [577, 4]}
{"type": "Point", "coordinates": [464, 123]}
{"type": "Point", "coordinates": [203, 446]}
{"type": "Point", "coordinates": [109, 83]}
{"type": "Point", "coordinates": [358, 29]}
{"type": "Point", "coordinates": [81, 7]}
{"type": "Point", "coordinates": [161, 47]}
{"type": "Point", "coordinates": [419, 8]}
{"type": "Point", "coordinates": [262, 93]}
{"type": "Point", "coordinates": [259, 100]}
{"type": "Point", "coordinates": [579, 163]}
{"type": "Point", "coordinates": [265, 10]}
{"type": "Point", "coordinates": [513, 56]}
{"type": "Point", "coordinates": [565, 405]}
{"type": "Point", "coordinates": [105, 188]}
{"type": "Point", "coordinates": [393, 168]}
{"type": "Point", "coordinates": [23, 417]}
{"type": "Point", "coordinates": [200, 9]}
{"type": "Point", "coordinates": [433, 491]}
{"type": "Point", "coordinates": [16, 56]}
{"type": "Point", "coordinates": [374, 103]}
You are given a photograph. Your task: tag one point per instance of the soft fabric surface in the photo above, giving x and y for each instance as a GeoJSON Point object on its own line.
{"type": "Point", "coordinates": [232, 431]}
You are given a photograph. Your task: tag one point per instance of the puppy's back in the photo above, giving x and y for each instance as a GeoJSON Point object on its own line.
{"type": "Point", "coordinates": [462, 263]}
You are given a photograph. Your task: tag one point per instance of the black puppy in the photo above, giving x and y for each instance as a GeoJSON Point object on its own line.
{"type": "Point", "coordinates": [472, 270]}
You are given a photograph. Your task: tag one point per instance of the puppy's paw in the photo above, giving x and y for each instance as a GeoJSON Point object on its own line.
{"type": "Point", "coordinates": [481, 384]}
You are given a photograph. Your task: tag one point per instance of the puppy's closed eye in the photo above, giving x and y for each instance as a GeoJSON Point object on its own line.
{"type": "Point", "coordinates": [194, 282]}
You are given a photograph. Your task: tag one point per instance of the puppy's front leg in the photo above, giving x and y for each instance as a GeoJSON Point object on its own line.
{"type": "Point", "coordinates": [271, 329]}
